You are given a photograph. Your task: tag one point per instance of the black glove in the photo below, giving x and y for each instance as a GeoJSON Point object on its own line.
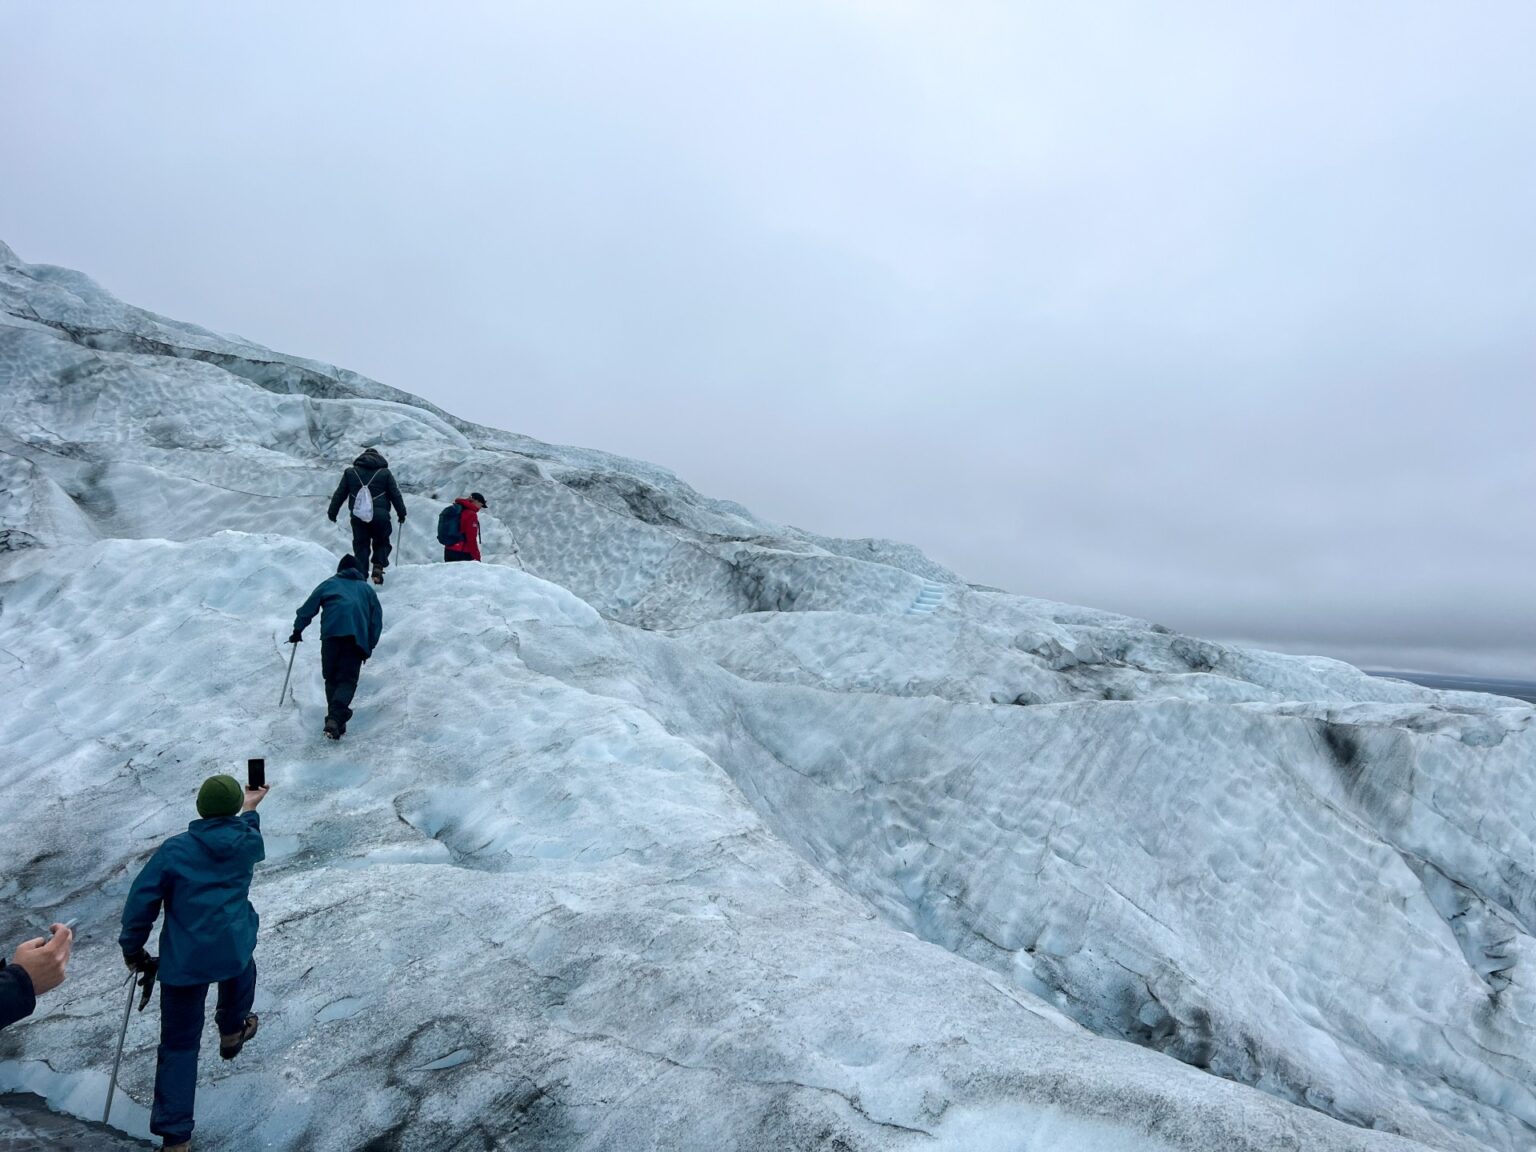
{"type": "Point", "coordinates": [138, 959]}
{"type": "Point", "coordinates": [147, 968]}
{"type": "Point", "coordinates": [295, 639]}
{"type": "Point", "coordinates": [332, 517]}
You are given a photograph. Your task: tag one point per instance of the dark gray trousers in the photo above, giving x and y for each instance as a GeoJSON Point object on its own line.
{"type": "Point", "coordinates": [370, 540]}
{"type": "Point", "coordinates": [341, 662]}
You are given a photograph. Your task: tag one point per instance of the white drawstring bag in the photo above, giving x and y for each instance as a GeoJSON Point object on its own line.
{"type": "Point", "coordinates": [362, 503]}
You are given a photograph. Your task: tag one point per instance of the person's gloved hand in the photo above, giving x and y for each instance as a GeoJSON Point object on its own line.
{"type": "Point", "coordinates": [295, 639]}
{"type": "Point", "coordinates": [332, 518]}
{"type": "Point", "coordinates": [146, 969]}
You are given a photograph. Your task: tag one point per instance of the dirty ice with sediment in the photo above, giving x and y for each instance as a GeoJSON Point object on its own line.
{"type": "Point", "coordinates": [671, 827]}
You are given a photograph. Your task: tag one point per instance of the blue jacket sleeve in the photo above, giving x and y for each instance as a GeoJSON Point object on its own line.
{"type": "Point", "coordinates": [375, 623]}
{"type": "Point", "coordinates": [258, 846]}
{"type": "Point", "coordinates": [16, 997]}
{"type": "Point", "coordinates": [144, 899]}
{"type": "Point", "coordinates": [308, 609]}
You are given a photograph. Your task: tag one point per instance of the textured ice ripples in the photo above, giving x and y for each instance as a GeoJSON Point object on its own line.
{"type": "Point", "coordinates": [1224, 883]}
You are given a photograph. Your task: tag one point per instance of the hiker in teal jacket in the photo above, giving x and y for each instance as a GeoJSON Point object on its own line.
{"type": "Point", "coordinates": [201, 880]}
{"type": "Point", "coordinates": [350, 625]}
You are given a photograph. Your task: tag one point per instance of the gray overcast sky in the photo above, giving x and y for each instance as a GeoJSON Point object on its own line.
{"type": "Point", "coordinates": [1221, 314]}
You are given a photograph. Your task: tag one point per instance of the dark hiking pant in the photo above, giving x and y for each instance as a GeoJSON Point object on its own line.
{"type": "Point", "coordinates": [181, 1028]}
{"type": "Point", "coordinates": [450, 555]}
{"type": "Point", "coordinates": [370, 540]}
{"type": "Point", "coordinates": [341, 662]}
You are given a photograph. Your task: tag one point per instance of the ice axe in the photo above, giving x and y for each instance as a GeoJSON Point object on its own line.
{"type": "Point", "coordinates": [294, 652]}
{"type": "Point", "coordinates": [148, 970]}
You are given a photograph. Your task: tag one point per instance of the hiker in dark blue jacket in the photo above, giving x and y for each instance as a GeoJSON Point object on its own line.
{"type": "Point", "coordinates": [201, 878]}
{"type": "Point", "coordinates": [350, 623]}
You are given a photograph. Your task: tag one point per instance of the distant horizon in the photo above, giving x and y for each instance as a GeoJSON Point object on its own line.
{"type": "Point", "coordinates": [1524, 690]}
{"type": "Point", "coordinates": [1448, 676]}
{"type": "Point", "coordinates": [1512, 670]}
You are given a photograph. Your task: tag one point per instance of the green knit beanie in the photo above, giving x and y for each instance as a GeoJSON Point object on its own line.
{"type": "Point", "coordinates": [220, 796]}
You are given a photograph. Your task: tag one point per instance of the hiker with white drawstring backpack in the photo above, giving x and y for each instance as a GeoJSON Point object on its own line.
{"type": "Point", "coordinates": [368, 489]}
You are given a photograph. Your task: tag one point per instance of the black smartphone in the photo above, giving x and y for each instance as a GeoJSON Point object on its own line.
{"type": "Point", "coordinates": [255, 773]}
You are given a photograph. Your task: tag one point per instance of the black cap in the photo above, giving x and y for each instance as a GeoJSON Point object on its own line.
{"type": "Point", "coordinates": [348, 561]}
{"type": "Point", "coordinates": [479, 499]}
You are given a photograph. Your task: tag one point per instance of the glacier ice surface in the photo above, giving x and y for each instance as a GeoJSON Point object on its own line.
{"type": "Point", "coordinates": [675, 827]}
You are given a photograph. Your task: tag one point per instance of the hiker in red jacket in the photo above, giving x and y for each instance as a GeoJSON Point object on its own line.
{"type": "Point", "coordinates": [466, 546]}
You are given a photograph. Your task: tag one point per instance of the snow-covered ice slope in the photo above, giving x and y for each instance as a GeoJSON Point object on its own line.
{"type": "Point", "coordinates": [675, 828]}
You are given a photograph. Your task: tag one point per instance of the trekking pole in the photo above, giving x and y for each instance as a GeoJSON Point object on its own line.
{"type": "Point", "coordinates": [118, 1059]}
{"type": "Point", "coordinates": [294, 652]}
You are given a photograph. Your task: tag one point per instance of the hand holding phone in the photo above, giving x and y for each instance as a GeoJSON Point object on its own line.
{"type": "Point", "coordinates": [44, 961]}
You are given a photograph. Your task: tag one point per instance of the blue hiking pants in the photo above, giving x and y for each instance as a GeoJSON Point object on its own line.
{"type": "Point", "coordinates": [181, 1029]}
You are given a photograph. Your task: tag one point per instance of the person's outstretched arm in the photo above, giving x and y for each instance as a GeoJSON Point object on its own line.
{"type": "Point", "coordinates": [37, 967]}
{"type": "Point", "coordinates": [392, 490]}
{"type": "Point", "coordinates": [143, 905]}
{"type": "Point", "coordinates": [307, 612]}
{"type": "Point", "coordinates": [256, 847]}
{"type": "Point", "coordinates": [338, 498]}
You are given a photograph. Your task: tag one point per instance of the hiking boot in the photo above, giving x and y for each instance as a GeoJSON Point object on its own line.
{"type": "Point", "coordinates": [378, 574]}
{"type": "Point", "coordinates": [332, 728]}
{"type": "Point", "coordinates": [230, 1045]}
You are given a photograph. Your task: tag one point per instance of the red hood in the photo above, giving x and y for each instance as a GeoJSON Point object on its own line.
{"type": "Point", "coordinates": [466, 502]}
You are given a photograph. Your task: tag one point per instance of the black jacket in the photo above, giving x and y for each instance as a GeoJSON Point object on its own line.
{"type": "Point", "coordinates": [16, 998]}
{"type": "Point", "coordinates": [372, 470]}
